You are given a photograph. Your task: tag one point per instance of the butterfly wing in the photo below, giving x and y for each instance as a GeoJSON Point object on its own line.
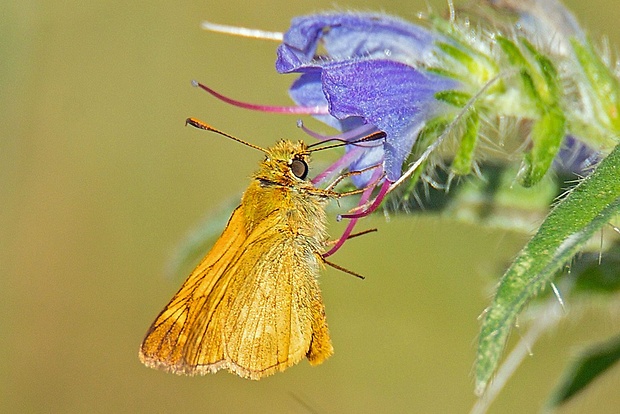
{"type": "Point", "coordinates": [277, 316]}
{"type": "Point", "coordinates": [165, 342]}
{"type": "Point", "coordinates": [252, 306]}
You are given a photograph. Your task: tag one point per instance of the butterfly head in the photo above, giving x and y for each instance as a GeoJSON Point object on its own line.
{"type": "Point", "coordinates": [286, 163]}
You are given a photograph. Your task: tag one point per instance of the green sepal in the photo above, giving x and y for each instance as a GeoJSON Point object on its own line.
{"type": "Point", "coordinates": [603, 83]}
{"type": "Point", "coordinates": [547, 135]}
{"type": "Point", "coordinates": [454, 98]}
{"type": "Point", "coordinates": [464, 158]}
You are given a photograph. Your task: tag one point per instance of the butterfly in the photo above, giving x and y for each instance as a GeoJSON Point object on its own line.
{"type": "Point", "coordinates": [253, 305]}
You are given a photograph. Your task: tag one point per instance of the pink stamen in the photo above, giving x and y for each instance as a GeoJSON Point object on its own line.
{"type": "Point", "coordinates": [293, 110]}
{"type": "Point", "coordinates": [363, 199]}
{"type": "Point", "coordinates": [313, 134]}
{"type": "Point", "coordinates": [375, 203]}
{"type": "Point", "coordinates": [342, 239]}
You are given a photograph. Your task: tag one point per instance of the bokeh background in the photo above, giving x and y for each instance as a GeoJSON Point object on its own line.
{"type": "Point", "coordinates": [100, 181]}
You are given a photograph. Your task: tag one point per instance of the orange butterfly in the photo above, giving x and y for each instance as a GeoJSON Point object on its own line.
{"type": "Point", "coordinates": [253, 305]}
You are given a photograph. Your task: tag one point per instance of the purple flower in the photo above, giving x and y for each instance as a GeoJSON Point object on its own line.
{"type": "Point", "coordinates": [371, 78]}
{"type": "Point", "coordinates": [370, 81]}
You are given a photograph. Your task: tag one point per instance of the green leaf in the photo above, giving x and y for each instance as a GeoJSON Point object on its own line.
{"type": "Point", "coordinates": [592, 279]}
{"type": "Point", "coordinates": [595, 275]}
{"type": "Point", "coordinates": [590, 365]}
{"type": "Point", "coordinates": [569, 226]}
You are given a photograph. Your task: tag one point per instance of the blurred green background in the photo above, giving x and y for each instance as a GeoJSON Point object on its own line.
{"type": "Point", "coordinates": [100, 181]}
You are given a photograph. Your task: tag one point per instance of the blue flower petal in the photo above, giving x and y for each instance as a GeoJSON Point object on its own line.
{"type": "Point", "coordinates": [346, 36]}
{"type": "Point", "coordinates": [392, 96]}
{"type": "Point", "coordinates": [307, 91]}
{"type": "Point", "coordinates": [372, 156]}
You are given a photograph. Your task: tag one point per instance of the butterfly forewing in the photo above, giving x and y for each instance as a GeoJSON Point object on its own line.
{"type": "Point", "coordinates": [165, 344]}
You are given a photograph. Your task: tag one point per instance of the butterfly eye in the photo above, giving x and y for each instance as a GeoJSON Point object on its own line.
{"type": "Point", "coordinates": [299, 168]}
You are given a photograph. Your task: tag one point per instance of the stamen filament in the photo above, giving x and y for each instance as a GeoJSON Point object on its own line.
{"type": "Point", "coordinates": [363, 200]}
{"type": "Point", "coordinates": [293, 110]}
{"type": "Point", "coordinates": [373, 206]}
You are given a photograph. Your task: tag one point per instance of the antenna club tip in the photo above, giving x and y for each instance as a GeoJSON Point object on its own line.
{"type": "Point", "coordinates": [198, 124]}
{"type": "Point", "coordinates": [195, 83]}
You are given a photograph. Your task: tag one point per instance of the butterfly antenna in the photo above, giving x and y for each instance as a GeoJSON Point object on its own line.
{"type": "Point", "coordinates": [375, 136]}
{"type": "Point", "coordinates": [201, 125]}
